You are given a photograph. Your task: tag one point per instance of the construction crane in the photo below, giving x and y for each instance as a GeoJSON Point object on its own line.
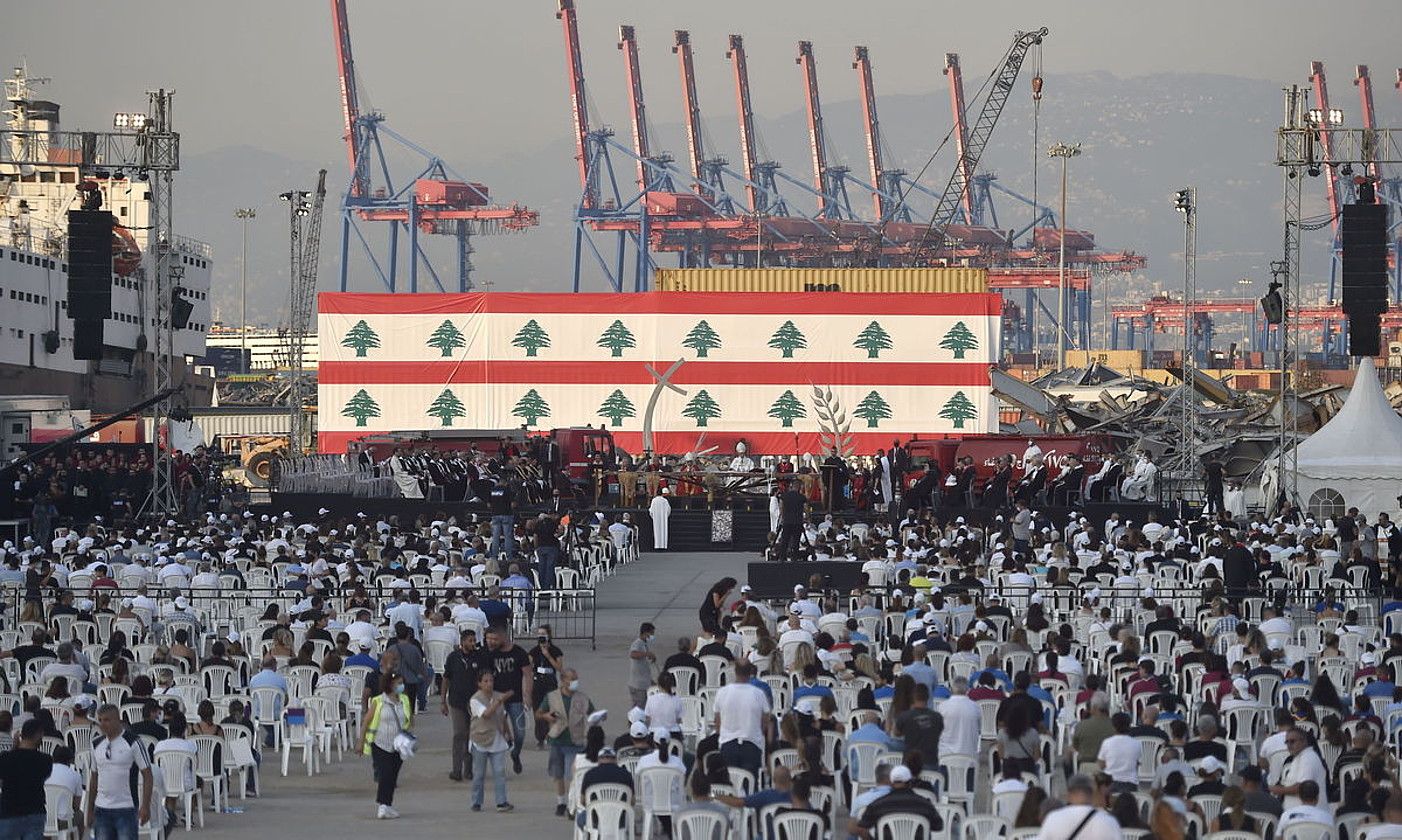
{"type": "Point", "coordinates": [1326, 148]}
{"type": "Point", "coordinates": [887, 183]}
{"type": "Point", "coordinates": [817, 142]}
{"type": "Point", "coordinates": [628, 43]}
{"type": "Point", "coordinates": [435, 201]}
{"type": "Point", "coordinates": [1364, 83]}
{"type": "Point", "coordinates": [977, 140]}
{"type": "Point", "coordinates": [961, 133]}
{"type": "Point", "coordinates": [759, 176]}
{"type": "Point", "coordinates": [301, 302]}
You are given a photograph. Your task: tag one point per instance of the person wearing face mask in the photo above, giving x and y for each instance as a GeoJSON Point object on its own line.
{"type": "Point", "coordinates": [567, 711]}
{"type": "Point", "coordinates": [547, 661]}
{"type": "Point", "coordinates": [390, 713]}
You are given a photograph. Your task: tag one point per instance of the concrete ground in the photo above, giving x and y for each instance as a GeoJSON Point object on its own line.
{"type": "Point", "coordinates": [666, 589]}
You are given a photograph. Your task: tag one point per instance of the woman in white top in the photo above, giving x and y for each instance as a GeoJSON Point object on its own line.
{"type": "Point", "coordinates": [664, 707]}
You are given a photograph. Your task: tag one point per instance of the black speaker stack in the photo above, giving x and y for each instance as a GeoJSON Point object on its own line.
{"type": "Point", "coordinates": [89, 278]}
{"type": "Point", "coordinates": [1364, 243]}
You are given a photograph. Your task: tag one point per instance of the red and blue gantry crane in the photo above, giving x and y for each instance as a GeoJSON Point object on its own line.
{"type": "Point", "coordinates": [435, 201]}
{"type": "Point", "coordinates": [707, 212]}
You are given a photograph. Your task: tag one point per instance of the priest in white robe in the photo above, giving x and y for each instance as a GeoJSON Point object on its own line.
{"type": "Point", "coordinates": [661, 511]}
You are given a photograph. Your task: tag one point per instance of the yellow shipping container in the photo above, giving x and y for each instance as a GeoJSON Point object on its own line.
{"type": "Point", "coordinates": [1121, 360]}
{"type": "Point", "coordinates": [880, 280]}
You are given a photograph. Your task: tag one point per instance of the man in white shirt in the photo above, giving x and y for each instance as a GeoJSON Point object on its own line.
{"type": "Point", "coordinates": [1275, 742]}
{"type": "Point", "coordinates": [1119, 756]}
{"type": "Point", "coordinates": [177, 743]}
{"type": "Point", "coordinates": [409, 611]}
{"type": "Point", "coordinates": [361, 628]}
{"type": "Point", "coordinates": [111, 808]}
{"type": "Point", "coordinates": [63, 775]}
{"type": "Point", "coordinates": [437, 630]}
{"type": "Point", "coordinates": [1392, 812]}
{"type": "Point", "coordinates": [1308, 811]}
{"type": "Point", "coordinates": [1273, 622]}
{"type": "Point", "coordinates": [742, 720]}
{"type": "Point", "coordinates": [962, 721]}
{"type": "Point", "coordinates": [205, 578]}
{"type": "Point", "coordinates": [1303, 765]}
{"type": "Point", "coordinates": [469, 611]}
{"type": "Point", "coordinates": [804, 606]}
{"type": "Point", "coordinates": [65, 667]}
{"type": "Point", "coordinates": [620, 534]}
{"type": "Point", "coordinates": [1079, 818]}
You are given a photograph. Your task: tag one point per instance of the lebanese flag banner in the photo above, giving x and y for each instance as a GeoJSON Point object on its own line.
{"type": "Point", "coordinates": [776, 370]}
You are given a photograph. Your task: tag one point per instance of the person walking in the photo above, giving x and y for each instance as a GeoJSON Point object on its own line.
{"type": "Point", "coordinates": [792, 504]}
{"type": "Point", "coordinates": [511, 668]}
{"type": "Point", "coordinates": [23, 771]}
{"type": "Point", "coordinates": [547, 548]}
{"type": "Point", "coordinates": [566, 710]}
{"type": "Point", "coordinates": [490, 736]}
{"type": "Point", "coordinates": [500, 502]}
{"type": "Point", "coordinates": [119, 759]}
{"type": "Point", "coordinates": [640, 662]}
{"type": "Point", "coordinates": [460, 673]}
{"type": "Point", "coordinates": [413, 666]}
{"type": "Point", "coordinates": [391, 712]}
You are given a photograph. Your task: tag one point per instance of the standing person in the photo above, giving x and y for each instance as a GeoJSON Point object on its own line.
{"type": "Point", "coordinates": [119, 759]}
{"type": "Point", "coordinates": [413, 665]}
{"type": "Point", "coordinates": [714, 603]}
{"type": "Point", "coordinates": [660, 511]}
{"type": "Point", "coordinates": [390, 713]}
{"type": "Point", "coordinates": [791, 508]}
{"type": "Point", "coordinates": [500, 502]}
{"type": "Point", "coordinates": [23, 771]}
{"type": "Point", "coordinates": [511, 668]}
{"type": "Point", "coordinates": [742, 720]}
{"type": "Point", "coordinates": [491, 737]}
{"type": "Point", "coordinates": [566, 710]}
{"type": "Point", "coordinates": [547, 548]}
{"type": "Point", "coordinates": [459, 683]}
{"type": "Point", "coordinates": [547, 661]}
{"type": "Point", "coordinates": [1212, 471]}
{"type": "Point", "coordinates": [640, 662]}
{"type": "Point", "coordinates": [1022, 527]}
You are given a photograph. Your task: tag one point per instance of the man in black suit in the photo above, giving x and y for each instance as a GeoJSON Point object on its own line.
{"type": "Point", "coordinates": [1212, 472]}
{"type": "Point", "coordinates": [1072, 475]}
{"type": "Point", "coordinates": [1238, 570]}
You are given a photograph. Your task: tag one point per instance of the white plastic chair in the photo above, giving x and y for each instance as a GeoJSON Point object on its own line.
{"type": "Point", "coordinates": [178, 774]}
{"type": "Point", "coordinates": [903, 827]}
{"type": "Point", "coordinates": [659, 789]}
{"type": "Point", "coordinates": [797, 825]}
{"type": "Point", "coordinates": [1306, 831]}
{"type": "Point", "coordinates": [299, 734]}
{"type": "Point", "coordinates": [984, 826]}
{"type": "Point", "coordinates": [606, 820]}
{"type": "Point", "coordinates": [58, 798]}
{"type": "Point", "coordinates": [701, 825]}
{"type": "Point", "coordinates": [266, 704]}
{"type": "Point", "coordinates": [207, 772]}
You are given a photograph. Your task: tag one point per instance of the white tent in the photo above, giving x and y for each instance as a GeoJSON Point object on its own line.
{"type": "Point", "coordinates": [1355, 460]}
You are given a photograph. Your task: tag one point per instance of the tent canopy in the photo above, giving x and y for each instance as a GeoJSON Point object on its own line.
{"type": "Point", "coordinates": [1364, 440]}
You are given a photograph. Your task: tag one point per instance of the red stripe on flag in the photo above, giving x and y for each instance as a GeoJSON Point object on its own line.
{"type": "Point", "coordinates": [698, 303]}
{"type": "Point", "coordinates": [635, 372]}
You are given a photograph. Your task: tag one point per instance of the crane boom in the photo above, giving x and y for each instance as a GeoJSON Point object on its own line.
{"type": "Point", "coordinates": [979, 135]}
{"type": "Point", "coordinates": [861, 62]}
{"type": "Point", "coordinates": [574, 58]}
{"type": "Point", "coordinates": [736, 54]}
{"type": "Point", "coordinates": [350, 102]}
{"type": "Point", "coordinates": [694, 145]}
{"type": "Point", "coordinates": [1326, 142]}
{"type": "Point", "coordinates": [816, 144]}
{"type": "Point", "coordinates": [628, 43]}
{"type": "Point", "coordinates": [1364, 82]}
{"type": "Point", "coordinates": [961, 131]}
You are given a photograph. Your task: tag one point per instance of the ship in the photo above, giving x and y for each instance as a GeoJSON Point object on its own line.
{"type": "Point", "coordinates": [36, 334]}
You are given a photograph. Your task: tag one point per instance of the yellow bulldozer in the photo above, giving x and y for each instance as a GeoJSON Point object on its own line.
{"type": "Point", "coordinates": [258, 456]}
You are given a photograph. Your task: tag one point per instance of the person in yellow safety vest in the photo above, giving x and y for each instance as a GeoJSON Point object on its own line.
{"type": "Point", "coordinates": [390, 713]}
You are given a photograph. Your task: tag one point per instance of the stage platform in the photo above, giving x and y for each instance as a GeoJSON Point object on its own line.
{"type": "Point", "coordinates": [691, 528]}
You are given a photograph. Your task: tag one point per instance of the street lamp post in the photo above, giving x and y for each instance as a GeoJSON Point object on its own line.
{"type": "Point", "coordinates": [1247, 318]}
{"type": "Point", "coordinates": [243, 214]}
{"type": "Point", "coordinates": [1065, 152]}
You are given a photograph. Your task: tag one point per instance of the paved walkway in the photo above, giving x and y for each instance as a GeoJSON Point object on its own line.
{"type": "Point", "coordinates": [666, 589]}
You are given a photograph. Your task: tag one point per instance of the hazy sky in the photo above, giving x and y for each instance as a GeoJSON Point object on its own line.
{"type": "Point", "coordinates": [478, 81]}
{"type": "Point", "coordinates": [475, 79]}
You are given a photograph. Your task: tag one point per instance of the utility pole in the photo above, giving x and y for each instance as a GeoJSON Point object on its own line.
{"type": "Point", "coordinates": [1065, 152]}
{"type": "Point", "coordinates": [243, 214]}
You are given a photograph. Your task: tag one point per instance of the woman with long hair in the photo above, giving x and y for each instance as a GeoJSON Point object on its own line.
{"type": "Point", "coordinates": [902, 699]}
{"type": "Point", "coordinates": [1165, 822]}
{"type": "Point", "coordinates": [714, 604]}
{"type": "Point", "coordinates": [1325, 696]}
{"type": "Point", "coordinates": [1018, 737]}
{"type": "Point", "coordinates": [1029, 814]}
{"type": "Point", "coordinates": [1233, 816]}
{"type": "Point", "coordinates": [664, 708]}
{"type": "Point", "coordinates": [1125, 810]}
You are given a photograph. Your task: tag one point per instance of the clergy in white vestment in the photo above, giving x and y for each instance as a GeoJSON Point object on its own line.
{"type": "Point", "coordinates": [660, 510]}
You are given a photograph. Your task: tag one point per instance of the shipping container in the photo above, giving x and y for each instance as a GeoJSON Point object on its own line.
{"type": "Point", "coordinates": [241, 420]}
{"type": "Point", "coordinates": [877, 280]}
{"type": "Point", "coordinates": [1123, 361]}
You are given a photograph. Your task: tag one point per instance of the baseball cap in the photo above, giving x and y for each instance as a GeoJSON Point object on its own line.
{"type": "Point", "coordinates": [638, 729]}
{"type": "Point", "coordinates": [900, 775]}
{"type": "Point", "coordinates": [1210, 765]}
